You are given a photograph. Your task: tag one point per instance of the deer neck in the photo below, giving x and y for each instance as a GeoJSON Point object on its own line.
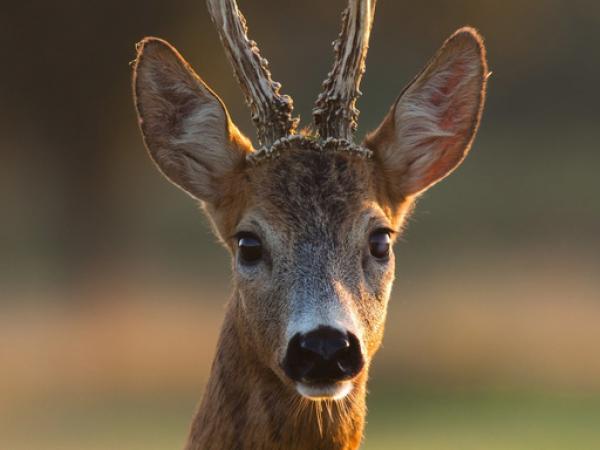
{"type": "Point", "coordinates": [246, 406]}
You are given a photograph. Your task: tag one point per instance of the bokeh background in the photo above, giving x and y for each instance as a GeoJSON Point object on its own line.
{"type": "Point", "coordinates": [112, 287]}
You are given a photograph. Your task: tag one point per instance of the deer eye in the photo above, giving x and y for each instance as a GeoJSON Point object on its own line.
{"type": "Point", "coordinates": [379, 244]}
{"type": "Point", "coordinates": [250, 248]}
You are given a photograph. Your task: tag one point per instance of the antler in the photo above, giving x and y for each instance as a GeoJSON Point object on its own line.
{"type": "Point", "coordinates": [335, 114]}
{"type": "Point", "coordinates": [271, 111]}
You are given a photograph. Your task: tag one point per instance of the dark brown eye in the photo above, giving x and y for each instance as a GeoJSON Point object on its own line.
{"type": "Point", "coordinates": [250, 248]}
{"type": "Point", "coordinates": [379, 244]}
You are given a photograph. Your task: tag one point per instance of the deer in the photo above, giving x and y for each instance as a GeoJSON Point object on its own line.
{"type": "Point", "coordinates": [309, 217]}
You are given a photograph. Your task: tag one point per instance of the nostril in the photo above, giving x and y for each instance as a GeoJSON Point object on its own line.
{"type": "Point", "coordinates": [350, 361]}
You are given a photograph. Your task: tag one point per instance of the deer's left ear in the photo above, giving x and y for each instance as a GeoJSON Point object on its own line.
{"type": "Point", "coordinates": [430, 128]}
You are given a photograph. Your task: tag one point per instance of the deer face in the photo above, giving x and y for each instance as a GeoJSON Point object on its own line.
{"type": "Point", "coordinates": [310, 221]}
{"type": "Point", "coordinates": [314, 266]}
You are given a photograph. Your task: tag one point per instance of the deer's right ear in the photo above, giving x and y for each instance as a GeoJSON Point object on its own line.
{"type": "Point", "coordinates": [186, 127]}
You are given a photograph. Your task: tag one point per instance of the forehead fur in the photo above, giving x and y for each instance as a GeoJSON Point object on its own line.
{"type": "Point", "coordinates": [308, 190]}
{"type": "Point", "coordinates": [313, 189]}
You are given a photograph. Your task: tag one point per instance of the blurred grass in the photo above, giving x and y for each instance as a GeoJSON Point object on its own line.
{"type": "Point", "coordinates": [482, 419]}
{"type": "Point", "coordinates": [408, 419]}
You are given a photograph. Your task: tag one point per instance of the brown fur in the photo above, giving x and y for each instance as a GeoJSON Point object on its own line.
{"type": "Point", "coordinates": [314, 211]}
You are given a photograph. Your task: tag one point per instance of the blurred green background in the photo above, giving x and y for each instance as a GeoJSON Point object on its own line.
{"type": "Point", "coordinates": [112, 287]}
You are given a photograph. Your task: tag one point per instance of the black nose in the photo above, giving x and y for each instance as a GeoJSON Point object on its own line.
{"type": "Point", "coordinates": [324, 355]}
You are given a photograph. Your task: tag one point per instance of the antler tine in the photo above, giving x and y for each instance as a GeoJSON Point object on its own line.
{"type": "Point", "coordinates": [335, 114]}
{"type": "Point", "coordinates": [271, 111]}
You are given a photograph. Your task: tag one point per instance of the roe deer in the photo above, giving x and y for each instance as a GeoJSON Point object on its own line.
{"type": "Point", "coordinates": [309, 220]}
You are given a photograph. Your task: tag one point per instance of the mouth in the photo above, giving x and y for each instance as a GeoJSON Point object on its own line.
{"type": "Point", "coordinates": [324, 391]}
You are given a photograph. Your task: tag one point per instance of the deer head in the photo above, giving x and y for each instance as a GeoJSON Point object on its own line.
{"type": "Point", "coordinates": [309, 218]}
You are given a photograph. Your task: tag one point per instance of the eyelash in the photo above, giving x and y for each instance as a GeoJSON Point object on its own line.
{"type": "Point", "coordinates": [384, 229]}
{"type": "Point", "coordinates": [243, 234]}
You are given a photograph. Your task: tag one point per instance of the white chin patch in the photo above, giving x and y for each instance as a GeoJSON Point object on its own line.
{"type": "Point", "coordinates": [334, 391]}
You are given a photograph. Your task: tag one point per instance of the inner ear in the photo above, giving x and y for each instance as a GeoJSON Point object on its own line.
{"type": "Point", "coordinates": [430, 128]}
{"type": "Point", "coordinates": [186, 127]}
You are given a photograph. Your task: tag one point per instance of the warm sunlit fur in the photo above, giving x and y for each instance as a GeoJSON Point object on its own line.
{"type": "Point", "coordinates": [313, 211]}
